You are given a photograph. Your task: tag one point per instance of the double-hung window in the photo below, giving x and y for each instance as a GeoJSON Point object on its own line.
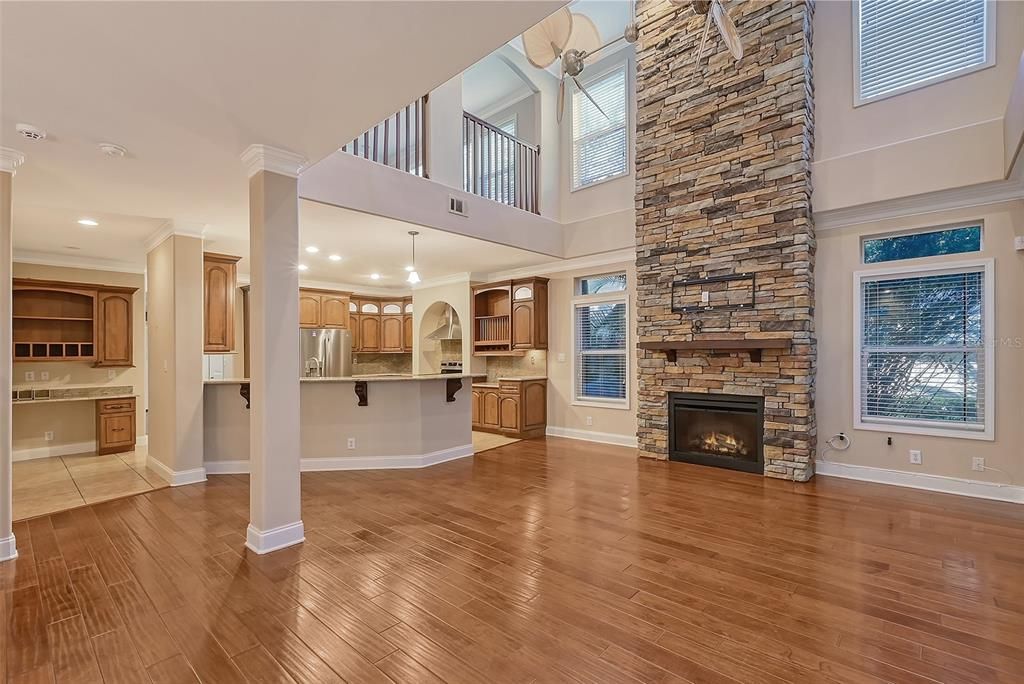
{"type": "Point", "coordinates": [901, 45]}
{"type": "Point", "coordinates": [600, 142]}
{"type": "Point", "coordinates": [923, 346]}
{"type": "Point", "coordinates": [601, 339]}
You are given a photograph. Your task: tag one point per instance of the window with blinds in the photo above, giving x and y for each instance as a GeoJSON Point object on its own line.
{"type": "Point", "coordinates": [601, 337]}
{"type": "Point", "coordinates": [922, 349]}
{"type": "Point", "coordinates": [903, 45]}
{"type": "Point", "coordinates": [600, 143]}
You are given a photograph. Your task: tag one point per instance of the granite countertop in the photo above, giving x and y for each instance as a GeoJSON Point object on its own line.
{"type": "Point", "coordinates": [64, 393]}
{"type": "Point", "coordinates": [67, 399]}
{"type": "Point", "coordinates": [494, 383]}
{"type": "Point", "coordinates": [357, 378]}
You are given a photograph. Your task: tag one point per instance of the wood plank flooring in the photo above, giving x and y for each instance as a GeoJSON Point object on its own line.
{"type": "Point", "coordinates": [542, 561]}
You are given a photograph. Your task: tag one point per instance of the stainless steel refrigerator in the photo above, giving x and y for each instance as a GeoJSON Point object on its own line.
{"type": "Point", "coordinates": [325, 353]}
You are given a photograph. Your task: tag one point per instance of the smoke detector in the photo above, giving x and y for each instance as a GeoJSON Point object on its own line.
{"type": "Point", "coordinates": [30, 132]}
{"type": "Point", "coordinates": [112, 150]}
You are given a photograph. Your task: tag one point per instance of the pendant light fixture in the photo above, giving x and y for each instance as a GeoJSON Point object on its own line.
{"type": "Point", "coordinates": [414, 277]}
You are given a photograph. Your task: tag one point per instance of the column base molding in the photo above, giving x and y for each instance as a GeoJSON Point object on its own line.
{"type": "Point", "coordinates": [266, 541]}
{"type": "Point", "coordinates": [176, 478]}
{"type": "Point", "coordinates": [8, 549]}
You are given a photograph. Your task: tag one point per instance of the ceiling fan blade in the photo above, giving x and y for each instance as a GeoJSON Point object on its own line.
{"type": "Point", "coordinates": [728, 29]}
{"type": "Point", "coordinates": [592, 100]}
{"type": "Point", "coordinates": [703, 42]}
{"type": "Point", "coordinates": [561, 98]}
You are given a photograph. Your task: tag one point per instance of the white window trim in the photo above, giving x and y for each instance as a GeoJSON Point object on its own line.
{"type": "Point", "coordinates": [990, 59]}
{"type": "Point", "coordinates": [613, 65]}
{"type": "Point", "coordinates": [987, 267]}
{"type": "Point", "coordinates": [586, 300]}
{"type": "Point", "coordinates": [923, 231]}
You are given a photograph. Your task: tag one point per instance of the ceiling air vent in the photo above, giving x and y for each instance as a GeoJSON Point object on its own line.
{"type": "Point", "coordinates": [456, 205]}
{"type": "Point", "coordinates": [31, 132]}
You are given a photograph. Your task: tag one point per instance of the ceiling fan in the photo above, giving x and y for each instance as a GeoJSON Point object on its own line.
{"type": "Point", "coordinates": [571, 38]}
{"type": "Point", "coordinates": [713, 10]}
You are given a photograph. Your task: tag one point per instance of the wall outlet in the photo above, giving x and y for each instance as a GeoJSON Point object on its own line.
{"type": "Point", "coordinates": [978, 463]}
{"type": "Point", "coordinates": [561, 357]}
{"type": "Point", "coordinates": [30, 376]}
{"type": "Point", "coordinates": [112, 374]}
{"type": "Point", "coordinates": [590, 420]}
{"type": "Point", "coordinates": [44, 376]}
{"type": "Point", "coordinates": [915, 457]}
{"type": "Point", "coordinates": [351, 442]}
{"type": "Point", "coordinates": [48, 435]}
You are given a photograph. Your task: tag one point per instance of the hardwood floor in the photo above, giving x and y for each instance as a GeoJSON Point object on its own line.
{"type": "Point", "coordinates": [541, 561]}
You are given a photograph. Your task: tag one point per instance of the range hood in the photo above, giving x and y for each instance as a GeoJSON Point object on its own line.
{"type": "Point", "coordinates": [449, 328]}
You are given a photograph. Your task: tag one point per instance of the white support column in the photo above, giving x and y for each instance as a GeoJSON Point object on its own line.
{"type": "Point", "coordinates": [10, 160]}
{"type": "Point", "coordinates": [275, 505]}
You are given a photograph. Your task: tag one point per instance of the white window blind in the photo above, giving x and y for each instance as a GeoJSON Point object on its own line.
{"type": "Point", "coordinates": [906, 44]}
{"type": "Point", "coordinates": [600, 144]}
{"type": "Point", "coordinates": [601, 337]}
{"type": "Point", "coordinates": [922, 350]}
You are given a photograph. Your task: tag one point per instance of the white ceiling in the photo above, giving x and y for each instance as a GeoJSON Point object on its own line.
{"type": "Point", "coordinates": [187, 86]}
{"type": "Point", "coordinates": [489, 82]}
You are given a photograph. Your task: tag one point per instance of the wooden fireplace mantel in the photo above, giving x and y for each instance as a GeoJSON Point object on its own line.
{"type": "Point", "coordinates": [754, 347]}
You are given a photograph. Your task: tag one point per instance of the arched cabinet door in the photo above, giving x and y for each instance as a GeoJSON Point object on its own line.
{"type": "Point", "coordinates": [114, 329]}
{"type": "Point", "coordinates": [333, 311]}
{"type": "Point", "coordinates": [309, 310]}
{"type": "Point", "coordinates": [522, 325]}
{"type": "Point", "coordinates": [391, 333]}
{"type": "Point", "coordinates": [369, 333]}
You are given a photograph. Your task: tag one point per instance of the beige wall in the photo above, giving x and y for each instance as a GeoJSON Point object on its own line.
{"type": "Point", "coordinates": [904, 144]}
{"type": "Point", "coordinates": [562, 412]}
{"type": "Point", "coordinates": [427, 354]}
{"type": "Point", "coordinates": [838, 259]}
{"type": "Point", "coordinates": [74, 423]}
{"type": "Point", "coordinates": [526, 112]}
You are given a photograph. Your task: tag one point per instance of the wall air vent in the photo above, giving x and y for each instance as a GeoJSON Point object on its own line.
{"type": "Point", "coordinates": [456, 205]}
{"type": "Point", "coordinates": [30, 132]}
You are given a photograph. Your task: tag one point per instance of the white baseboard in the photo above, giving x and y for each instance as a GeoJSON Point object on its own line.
{"type": "Point", "coordinates": [8, 549]}
{"type": "Point", "coordinates": [317, 465]}
{"type": "Point", "coordinates": [591, 436]}
{"type": "Point", "coordinates": [57, 450]}
{"type": "Point", "coordinates": [266, 541]}
{"type": "Point", "coordinates": [176, 478]}
{"type": "Point", "coordinates": [69, 449]}
{"type": "Point", "coordinates": [933, 483]}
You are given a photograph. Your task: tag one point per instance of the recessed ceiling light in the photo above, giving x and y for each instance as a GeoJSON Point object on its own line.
{"type": "Point", "coordinates": [88, 222]}
{"type": "Point", "coordinates": [409, 269]}
{"type": "Point", "coordinates": [335, 257]}
{"type": "Point", "coordinates": [312, 249]}
{"type": "Point", "coordinates": [303, 267]}
{"type": "Point", "coordinates": [375, 276]}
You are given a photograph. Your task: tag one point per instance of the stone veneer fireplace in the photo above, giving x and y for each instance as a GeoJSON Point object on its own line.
{"type": "Point", "coordinates": [724, 235]}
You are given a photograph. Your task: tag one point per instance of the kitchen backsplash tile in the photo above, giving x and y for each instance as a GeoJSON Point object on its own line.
{"type": "Point", "coordinates": [533, 363]}
{"type": "Point", "coordinates": [375, 364]}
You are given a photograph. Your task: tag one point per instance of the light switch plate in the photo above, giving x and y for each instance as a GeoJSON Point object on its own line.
{"type": "Point", "coordinates": [1018, 243]}
{"type": "Point", "coordinates": [111, 374]}
{"type": "Point", "coordinates": [44, 376]}
{"type": "Point", "coordinates": [30, 376]}
{"type": "Point", "coordinates": [915, 457]}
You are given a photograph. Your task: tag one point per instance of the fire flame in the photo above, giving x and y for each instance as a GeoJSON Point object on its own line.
{"type": "Point", "coordinates": [720, 443]}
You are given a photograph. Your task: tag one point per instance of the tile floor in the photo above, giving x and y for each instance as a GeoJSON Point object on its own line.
{"type": "Point", "coordinates": [48, 485]}
{"type": "Point", "coordinates": [484, 441]}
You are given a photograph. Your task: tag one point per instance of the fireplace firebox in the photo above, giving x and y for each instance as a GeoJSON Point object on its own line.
{"type": "Point", "coordinates": [722, 430]}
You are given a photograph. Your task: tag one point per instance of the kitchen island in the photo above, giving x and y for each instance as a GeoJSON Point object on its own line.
{"type": "Point", "coordinates": [353, 423]}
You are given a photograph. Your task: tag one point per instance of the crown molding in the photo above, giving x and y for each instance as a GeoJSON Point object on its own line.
{"type": "Point", "coordinates": [10, 160]}
{"type": "Point", "coordinates": [339, 286]}
{"type": "Point", "coordinates": [451, 279]}
{"type": "Point", "coordinates": [619, 256]}
{"type": "Point", "coordinates": [70, 261]}
{"type": "Point", "coordinates": [925, 203]}
{"type": "Point", "coordinates": [184, 229]}
{"type": "Point", "coordinates": [258, 158]}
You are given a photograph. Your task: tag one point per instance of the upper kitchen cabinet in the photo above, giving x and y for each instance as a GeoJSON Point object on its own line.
{"type": "Point", "coordinates": [220, 282]}
{"type": "Point", "coordinates": [369, 326]}
{"type": "Point", "coordinates": [530, 314]}
{"type": "Point", "coordinates": [323, 309]}
{"type": "Point", "coordinates": [62, 321]}
{"type": "Point", "coordinates": [391, 327]}
{"type": "Point", "coordinates": [510, 317]}
{"type": "Point", "coordinates": [407, 336]}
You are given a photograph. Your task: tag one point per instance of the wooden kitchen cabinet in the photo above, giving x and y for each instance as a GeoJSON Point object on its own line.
{"type": "Point", "coordinates": [334, 311]}
{"type": "Point", "coordinates": [115, 425]}
{"type": "Point", "coordinates": [114, 329]}
{"type": "Point", "coordinates": [309, 309]}
{"type": "Point", "coordinates": [407, 336]}
{"type": "Point", "coordinates": [220, 280]}
{"type": "Point", "coordinates": [369, 326]}
{"type": "Point", "coordinates": [516, 408]}
{"type": "Point", "coordinates": [391, 328]}
{"type": "Point", "coordinates": [510, 317]}
{"type": "Point", "coordinates": [62, 321]}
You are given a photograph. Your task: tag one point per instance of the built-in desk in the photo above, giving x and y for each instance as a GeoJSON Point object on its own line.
{"type": "Point", "coordinates": [115, 410]}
